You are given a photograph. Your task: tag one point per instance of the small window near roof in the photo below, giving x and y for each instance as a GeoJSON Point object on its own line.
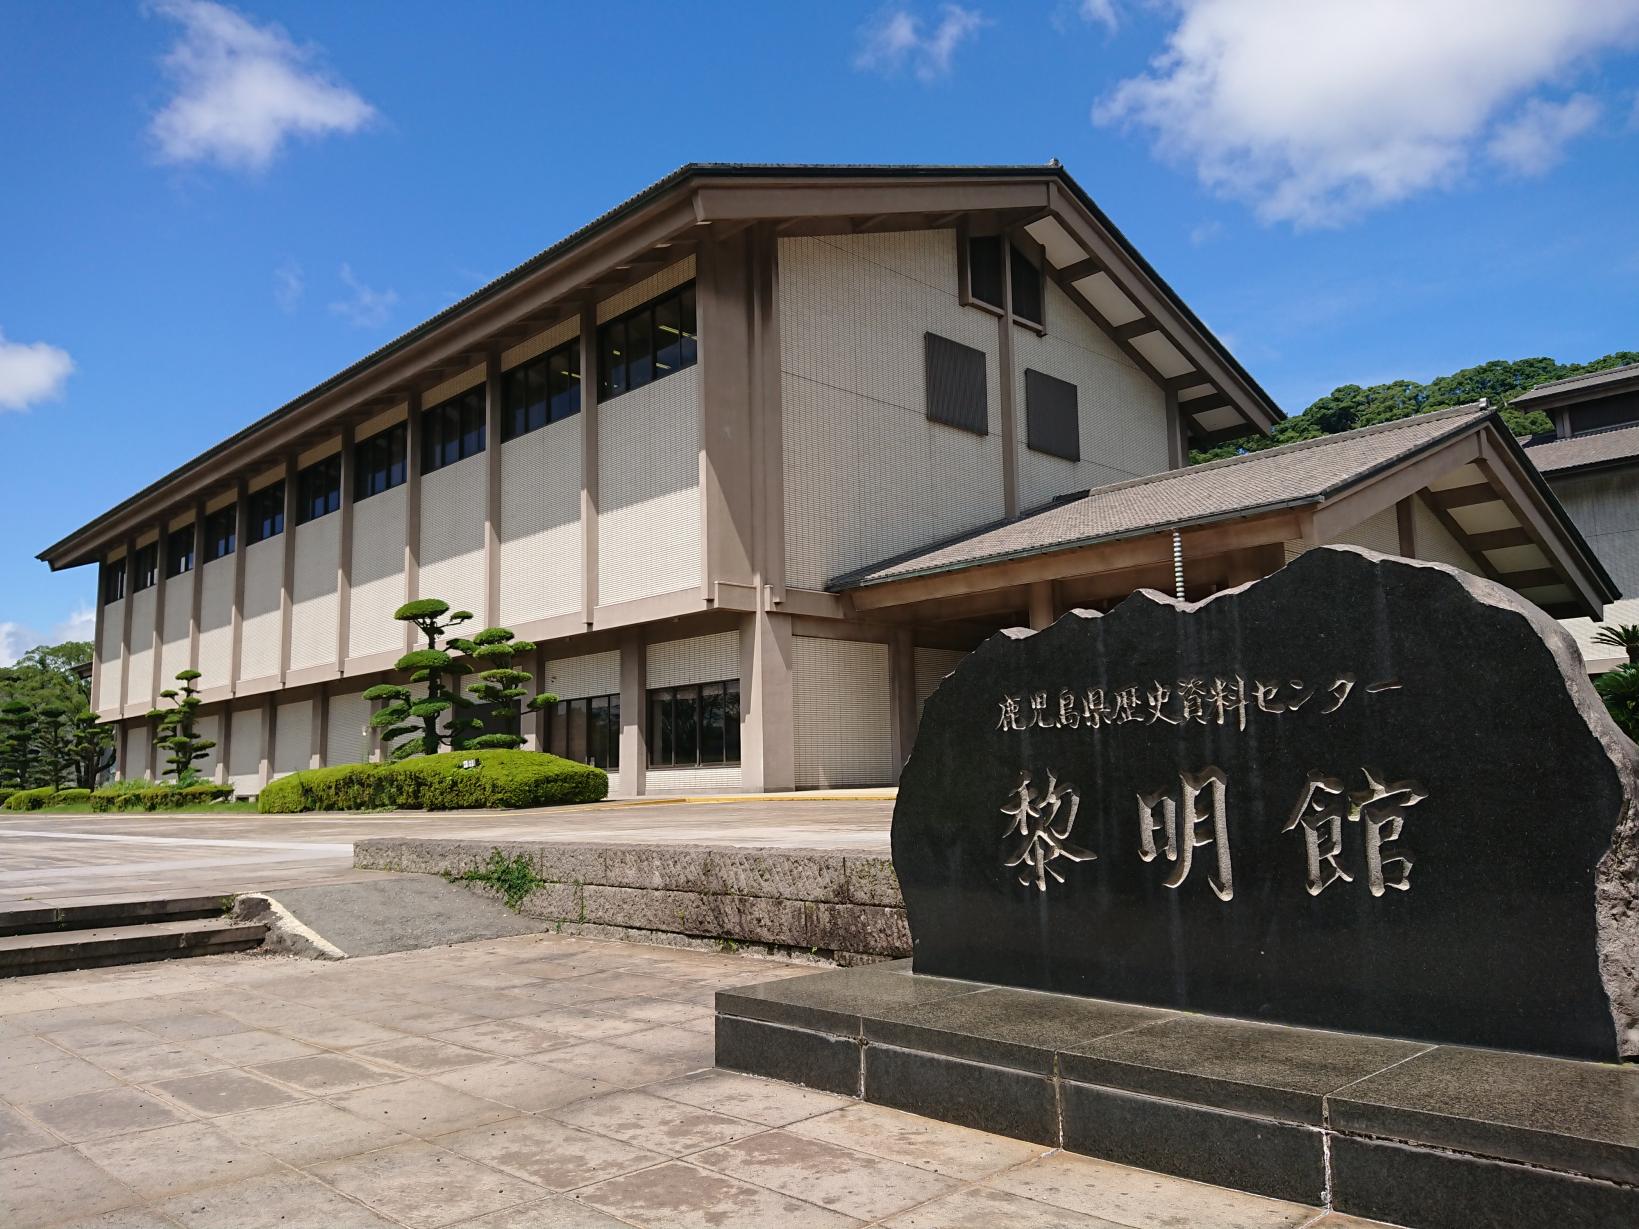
{"type": "Point", "coordinates": [179, 551]}
{"type": "Point", "coordinates": [647, 344]}
{"type": "Point", "coordinates": [1052, 422]}
{"type": "Point", "coordinates": [957, 395]}
{"type": "Point", "coordinates": [147, 569]}
{"type": "Point", "coordinates": [453, 430]}
{"type": "Point", "coordinates": [984, 269]}
{"type": "Point", "coordinates": [267, 513]}
{"type": "Point", "coordinates": [318, 489]}
{"type": "Point", "coordinates": [543, 390]}
{"type": "Point", "coordinates": [221, 530]}
{"type": "Point", "coordinates": [113, 581]}
{"type": "Point", "coordinates": [1026, 288]}
{"type": "Point", "coordinates": [378, 462]}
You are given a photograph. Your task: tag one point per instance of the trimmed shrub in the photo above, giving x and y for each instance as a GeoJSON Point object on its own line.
{"type": "Point", "coordinates": [45, 796]}
{"type": "Point", "coordinates": [144, 796]}
{"type": "Point", "coordinates": [439, 783]}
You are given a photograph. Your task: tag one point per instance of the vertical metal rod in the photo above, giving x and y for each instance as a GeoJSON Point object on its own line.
{"type": "Point", "coordinates": [1178, 564]}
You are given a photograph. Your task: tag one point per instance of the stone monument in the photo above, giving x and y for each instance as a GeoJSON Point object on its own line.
{"type": "Point", "coordinates": [1362, 793]}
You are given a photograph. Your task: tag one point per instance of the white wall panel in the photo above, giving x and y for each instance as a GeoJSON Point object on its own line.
{"type": "Point", "coordinates": [699, 659]}
{"type": "Point", "coordinates": [1380, 532]}
{"type": "Point", "coordinates": [292, 737]}
{"type": "Point", "coordinates": [216, 623]}
{"type": "Point", "coordinates": [1605, 510]}
{"type": "Point", "coordinates": [315, 602]}
{"type": "Point", "coordinates": [136, 750]}
{"type": "Point", "coordinates": [210, 729]}
{"type": "Point", "coordinates": [841, 713]}
{"type": "Point", "coordinates": [259, 633]}
{"type": "Point", "coordinates": [540, 523]}
{"type": "Point", "coordinates": [672, 782]}
{"type": "Point", "coordinates": [452, 534]}
{"type": "Point", "coordinates": [649, 490]}
{"type": "Point", "coordinates": [348, 738]}
{"type": "Point", "coordinates": [1122, 412]}
{"type": "Point", "coordinates": [377, 574]}
{"type": "Point", "coordinates": [1435, 543]}
{"type": "Point", "coordinates": [174, 638]}
{"type": "Point", "coordinates": [245, 750]}
{"type": "Point", "coordinates": [141, 663]}
{"type": "Point", "coordinates": [591, 674]}
{"type": "Point", "coordinates": [866, 474]}
{"type": "Point", "coordinates": [110, 656]}
{"type": "Point", "coordinates": [932, 668]}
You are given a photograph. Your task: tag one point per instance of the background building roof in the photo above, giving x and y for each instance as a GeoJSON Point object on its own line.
{"type": "Point", "coordinates": [1586, 385]}
{"type": "Point", "coordinates": [1593, 449]}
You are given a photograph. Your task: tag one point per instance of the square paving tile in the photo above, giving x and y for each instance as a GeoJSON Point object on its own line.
{"type": "Point", "coordinates": [580, 1024]}
{"type": "Point", "coordinates": [90, 1040]}
{"type": "Point", "coordinates": [332, 1031]}
{"type": "Point", "coordinates": [511, 1038]}
{"type": "Point", "coordinates": [281, 1200]}
{"type": "Point", "coordinates": [770, 1102]}
{"type": "Point", "coordinates": [557, 1212]}
{"type": "Point", "coordinates": [522, 1085]}
{"type": "Point", "coordinates": [171, 1160]}
{"type": "Point", "coordinates": [556, 1156]}
{"type": "Point", "coordinates": [420, 1107]}
{"type": "Point", "coordinates": [1145, 1200]}
{"type": "Point", "coordinates": [956, 1152]}
{"type": "Point", "coordinates": [166, 1061]}
{"type": "Point", "coordinates": [681, 1196]}
{"type": "Point", "coordinates": [125, 1218]}
{"type": "Point", "coordinates": [422, 1186]}
{"type": "Point", "coordinates": [309, 1131]}
{"type": "Point", "coordinates": [18, 1135]}
{"type": "Point", "coordinates": [669, 1041]}
{"type": "Point", "coordinates": [420, 1019]}
{"type": "Point", "coordinates": [26, 1049]}
{"type": "Point", "coordinates": [108, 1111]}
{"type": "Point", "coordinates": [225, 1092]}
{"type": "Point", "coordinates": [45, 1188]}
{"type": "Point", "coordinates": [49, 1081]}
{"type": "Point", "coordinates": [252, 1046]}
{"type": "Point", "coordinates": [618, 1065]}
{"type": "Point", "coordinates": [667, 1127]}
{"type": "Point", "coordinates": [325, 1073]}
{"type": "Point", "coordinates": [422, 1055]}
{"type": "Point", "coordinates": [854, 1183]}
{"type": "Point", "coordinates": [979, 1207]}
{"type": "Point", "coordinates": [193, 1026]}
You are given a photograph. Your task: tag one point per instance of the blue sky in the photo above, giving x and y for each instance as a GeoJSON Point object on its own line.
{"type": "Point", "coordinates": [208, 210]}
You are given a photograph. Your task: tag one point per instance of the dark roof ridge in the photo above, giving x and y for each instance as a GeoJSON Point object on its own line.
{"type": "Point", "coordinates": [1582, 435]}
{"type": "Point", "coordinates": [1619, 369]}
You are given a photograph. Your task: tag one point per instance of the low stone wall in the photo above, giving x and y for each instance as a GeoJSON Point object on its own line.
{"type": "Point", "coordinates": [827, 904]}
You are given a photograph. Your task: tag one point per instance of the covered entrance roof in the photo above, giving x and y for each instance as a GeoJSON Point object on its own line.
{"type": "Point", "coordinates": [1461, 463]}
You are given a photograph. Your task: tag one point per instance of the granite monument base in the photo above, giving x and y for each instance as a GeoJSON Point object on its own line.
{"type": "Point", "coordinates": [1432, 1136]}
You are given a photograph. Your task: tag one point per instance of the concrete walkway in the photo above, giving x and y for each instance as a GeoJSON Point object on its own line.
{"type": "Point", "coordinates": [80, 859]}
{"type": "Point", "coordinates": [535, 1082]}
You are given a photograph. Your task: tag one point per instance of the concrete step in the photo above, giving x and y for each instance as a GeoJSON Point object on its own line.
{"type": "Point", "coordinates": [92, 948]}
{"type": "Point", "coordinates": [29, 921]}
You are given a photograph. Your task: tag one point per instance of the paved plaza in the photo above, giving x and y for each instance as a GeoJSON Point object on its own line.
{"type": "Point", "coordinates": [536, 1082]}
{"type": "Point", "coordinates": [80, 859]}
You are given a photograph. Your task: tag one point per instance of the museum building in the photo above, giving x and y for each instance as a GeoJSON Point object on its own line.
{"type": "Point", "coordinates": [754, 458]}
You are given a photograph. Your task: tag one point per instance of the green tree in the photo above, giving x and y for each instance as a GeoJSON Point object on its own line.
{"type": "Point", "coordinates": [1624, 636]}
{"type": "Point", "coordinates": [55, 762]}
{"type": "Point", "coordinates": [17, 764]}
{"type": "Point", "coordinates": [500, 685]}
{"type": "Point", "coordinates": [176, 728]}
{"type": "Point", "coordinates": [47, 674]}
{"type": "Point", "coordinates": [90, 747]}
{"type": "Point", "coordinates": [1619, 688]}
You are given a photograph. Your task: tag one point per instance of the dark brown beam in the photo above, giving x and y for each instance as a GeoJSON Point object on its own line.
{"type": "Point", "coordinates": [1080, 269]}
{"type": "Point", "coordinates": [1534, 578]}
{"type": "Point", "coordinates": [1466, 496]}
{"type": "Point", "coordinates": [1431, 502]}
{"type": "Point", "coordinates": [1211, 439]}
{"type": "Point", "coordinates": [1136, 328]}
{"type": "Point", "coordinates": [1205, 405]}
{"type": "Point", "coordinates": [1498, 539]}
{"type": "Point", "coordinates": [1190, 379]}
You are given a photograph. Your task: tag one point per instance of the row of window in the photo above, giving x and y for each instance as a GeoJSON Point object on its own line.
{"type": "Point", "coordinates": [689, 727]}
{"type": "Point", "coordinates": [985, 273]}
{"type": "Point", "coordinates": [958, 396]}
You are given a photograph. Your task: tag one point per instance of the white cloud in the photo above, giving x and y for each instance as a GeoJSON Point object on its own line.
{"type": "Point", "coordinates": [243, 90]}
{"type": "Point", "coordinates": [81, 624]}
{"type": "Point", "coordinates": [288, 285]}
{"type": "Point", "coordinates": [1203, 233]}
{"type": "Point", "coordinates": [898, 39]}
{"type": "Point", "coordinates": [31, 372]}
{"type": "Point", "coordinates": [1534, 140]}
{"type": "Point", "coordinates": [15, 640]}
{"type": "Point", "coordinates": [1315, 112]}
{"type": "Point", "coordinates": [366, 308]}
{"type": "Point", "coordinates": [1103, 12]}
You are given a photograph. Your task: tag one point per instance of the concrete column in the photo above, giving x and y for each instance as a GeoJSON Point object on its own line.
{"type": "Point", "coordinates": [767, 744]}
{"type": "Point", "coordinates": [320, 727]}
{"type": "Point", "coordinates": [122, 749]}
{"type": "Point", "coordinates": [241, 532]}
{"type": "Point", "coordinates": [287, 568]}
{"type": "Point", "coordinates": [224, 745]}
{"type": "Point", "coordinates": [95, 699]}
{"type": "Point", "coordinates": [196, 591]}
{"type": "Point", "coordinates": [589, 460]}
{"type": "Point", "coordinates": [1406, 521]}
{"type": "Point", "coordinates": [125, 625]}
{"type": "Point", "coordinates": [1004, 341]}
{"type": "Point", "coordinates": [264, 754]}
{"type": "Point", "coordinates": [532, 722]}
{"type": "Point", "coordinates": [162, 563]}
{"type": "Point", "coordinates": [902, 694]}
{"type": "Point", "coordinates": [492, 488]}
{"type": "Point", "coordinates": [634, 706]}
{"type": "Point", "coordinates": [412, 511]}
{"type": "Point", "coordinates": [1042, 612]}
{"type": "Point", "coordinates": [344, 551]}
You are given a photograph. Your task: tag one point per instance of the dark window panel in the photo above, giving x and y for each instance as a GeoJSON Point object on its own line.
{"type": "Point", "coordinates": [267, 512]}
{"type": "Point", "coordinates": [660, 728]}
{"type": "Point", "coordinates": [318, 490]}
{"type": "Point", "coordinates": [147, 569]}
{"type": "Point", "coordinates": [557, 729]}
{"type": "Point", "coordinates": [1052, 422]}
{"type": "Point", "coordinates": [984, 269]}
{"type": "Point", "coordinates": [1027, 292]}
{"type": "Point", "coordinates": [711, 723]}
{"type": "Point", "coordinates": [113, 581]}
{"type": "Point", "coordinates": [647, 344]}
{"type": "Point", "coordinates": [612, 359]}
{"type": "Point", "coordinates": [640, 349]}
{"type": "Point", "coordinates": [668, 336]}
{"type": "Point", "coordinates": [957, 395]}
{"type": "Point", "coordinates": [179, 548]}
{"type": "Point", "coordinates": [731, 721]}
{"type": "Point", "coordinates": [691, 345]}
{"type": "Point", "coordinates": [563, 381]}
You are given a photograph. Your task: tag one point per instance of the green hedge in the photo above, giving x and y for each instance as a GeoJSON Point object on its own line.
{"type": "Point", "coordinates": [439, 783]}
{"type": "Point", "coordinates": [45, 796]}
{"type": "Point", "coordinates": [133, 796]}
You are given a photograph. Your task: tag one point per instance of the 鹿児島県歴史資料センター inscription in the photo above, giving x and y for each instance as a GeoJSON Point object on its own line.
{"type": "Point", "coordinates": [1362, 793]}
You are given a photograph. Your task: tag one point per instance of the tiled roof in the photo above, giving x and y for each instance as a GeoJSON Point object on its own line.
{"type": "Point", "coordinates": [1611, 446]}
{"type": "Point", "coordinates": [1294, 474]}
{"type": "Point", "coordinates": [1584, 380]}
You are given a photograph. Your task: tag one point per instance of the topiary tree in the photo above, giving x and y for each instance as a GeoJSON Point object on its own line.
{"type": "Point", "coordinates": [90, 747]}
{"type": "Point", "coordinates": [51, 748]}
{"type": "Point", "coordinates": [17, 723]}
{"type": "Point", "coordinates": [177, 729]}
{"type": "Point", "coordinates": [410, 725]}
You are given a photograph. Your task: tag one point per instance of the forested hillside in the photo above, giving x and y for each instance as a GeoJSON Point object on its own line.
{"type": "Point", "coordinates": [1351, 406]}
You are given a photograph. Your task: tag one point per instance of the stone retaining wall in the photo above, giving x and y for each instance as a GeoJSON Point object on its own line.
{"type": "Point", "coordinates": [824, 903]}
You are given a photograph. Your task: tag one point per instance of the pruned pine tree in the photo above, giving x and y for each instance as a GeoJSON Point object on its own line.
{"type": "Point", "coordinates": [178, 731]}
{"type": "Point", "coordinates": [17, 759]}
{"type": "Point", "coordinates": [90, 747]}
{"type": "Point", "coordinates": [500, 684]}
{"type": "Point", "coordinates": [53, 757]}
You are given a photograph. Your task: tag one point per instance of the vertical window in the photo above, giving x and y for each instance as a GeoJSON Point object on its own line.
{"type": "Point", "coordinates": [1026, 288]}
{"type": "Point", "coordinates": [267, 513]}
{"type": "Point", "coordinates": [221, 530]}
{"type": "Point", "coordinates": [648, 344]}
{"type": "Point", "coordinates": [957, 394]}
{"type": "Point", "coordinates": [453, 430]}
{"type": "Point", "coordinates": [179, 548]}
{"type": "Point", "coordinates": [1052, 422]}
{"type": "Point", "coordinates": [541, 391]}
{"type": "Point", "coordinates": [147, 570]}
{"type": "Point", "coordinates": [587, 730]}
{"type": "Point", "coordinates": [378, 462]}
{"type": "Point", "coordinates": [986, 268]}
{"type": "Point", "coordinates": [318, 489]}
{"type": "Point", "coordinates": [113, 581]}
{"type": "Point", "coordinates": [695, 726]}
